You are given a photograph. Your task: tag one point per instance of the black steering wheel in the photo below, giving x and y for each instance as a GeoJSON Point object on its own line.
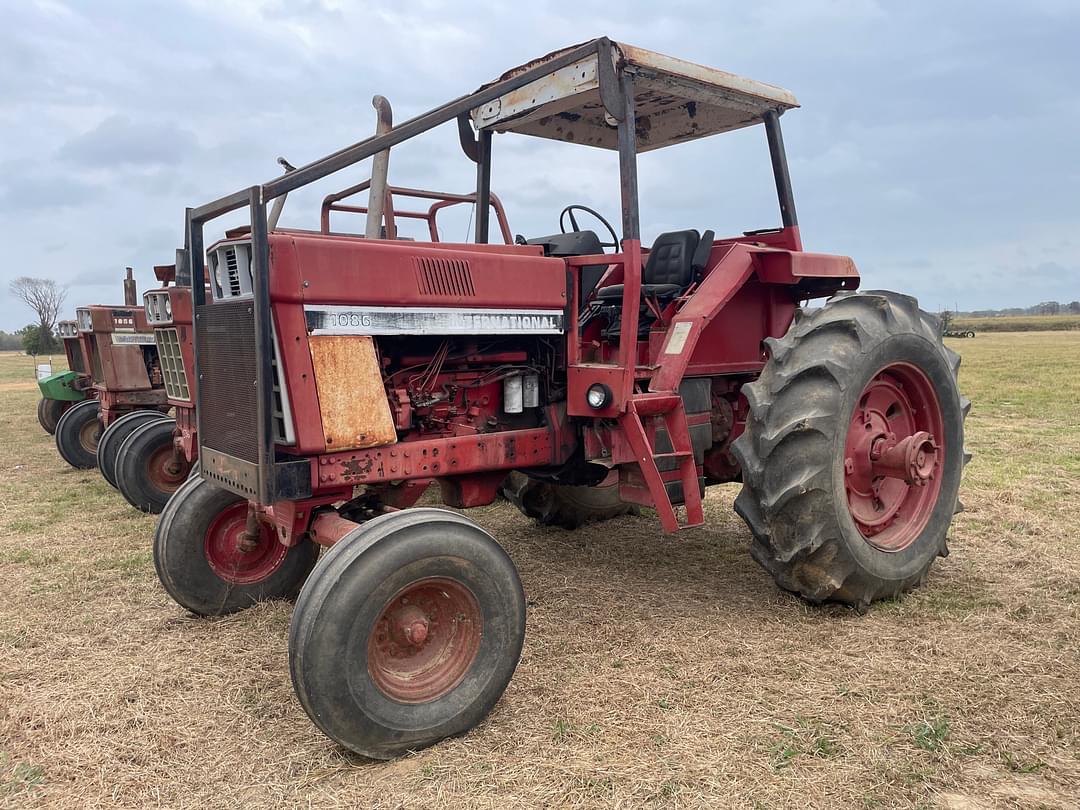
{"type": "Point", "coordinates": [570, 209]}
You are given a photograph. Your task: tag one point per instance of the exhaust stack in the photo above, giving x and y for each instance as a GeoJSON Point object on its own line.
{"type": "Point", "coordinates": [129, 289]}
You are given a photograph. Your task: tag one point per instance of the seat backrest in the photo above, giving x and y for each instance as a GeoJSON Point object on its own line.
{"type": "Point", "coordinates": [671, 259]}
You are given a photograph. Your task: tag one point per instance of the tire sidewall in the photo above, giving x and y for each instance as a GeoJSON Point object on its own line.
{"type": "Point", "coordinates": [341, 604]}
{"type": "Point", "coordinates": [180, 556]}
{"type": "Point", "coordinates": [67, 434]}
{"type": "Point", "coordinates": [113, 438]}
{"type": "Point", "coordinates": [131, 464]}
{"type": "Point", "coordinates": [930, 359]}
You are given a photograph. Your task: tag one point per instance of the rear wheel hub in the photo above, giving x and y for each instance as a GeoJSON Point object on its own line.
{"type": "Point", "coordinates": [892, 457]}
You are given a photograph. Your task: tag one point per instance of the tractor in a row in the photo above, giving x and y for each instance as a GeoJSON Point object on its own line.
{"type": "Point", "coordinates": [62, 390]}
{"type": "Point", "coordinates": [339, 374]}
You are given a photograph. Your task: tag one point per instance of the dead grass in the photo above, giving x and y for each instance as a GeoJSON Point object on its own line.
{"type": "Point", "coordinates": [657, 671]}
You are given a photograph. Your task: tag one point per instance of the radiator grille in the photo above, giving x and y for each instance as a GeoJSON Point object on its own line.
{"type": "Point", "coordinates": [226, 342]}
{"type": "Point", "coordinates": [172, 364]}
{"type": "Point", "coordinates": [95, 360]}
{"type": "Point", "coordinates": [450, 277]}
{"type": "Point", "coordinates": [75, 356]}
{"type": "Point", "coordinates": [227, 401]}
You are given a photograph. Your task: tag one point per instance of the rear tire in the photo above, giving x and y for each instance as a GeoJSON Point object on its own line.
{"type": "Point", "coordinates": [816, 529]}
{"type": "Point", "coordinates": [49, 412]}
{"type": "Point", "coordinates": [113, 438]}
{"type": "Point", "coordinates": [77, 435]}
{"type": "Point", "coordinates": [358, 668]}
{"type": "Point", "coordinates": [566, 506]}
{"type": "Point", "coordinates": [148, 470]}
{"type": "Point", "coordinates": [199, 564]}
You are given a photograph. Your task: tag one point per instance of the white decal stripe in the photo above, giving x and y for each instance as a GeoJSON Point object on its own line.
{"type": "Point", "coordinates": [128, 339]}
{"type": "Point", "coordinates": [432, 321]}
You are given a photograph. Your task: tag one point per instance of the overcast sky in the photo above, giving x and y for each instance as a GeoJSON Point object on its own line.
{"type": "Point", "coordinates": [938, 142]}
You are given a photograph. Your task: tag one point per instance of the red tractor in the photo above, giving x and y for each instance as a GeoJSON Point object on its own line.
{"type": "Point", "coordinates": [338, 375]}
{"type": "Point", "coordinates": [122, 360]}
{"type": "Point", "coordinates": [151, 454]}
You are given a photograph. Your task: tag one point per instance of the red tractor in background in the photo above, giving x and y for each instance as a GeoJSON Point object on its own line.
{"type": "Point", "coordinates": [121, 358]}
{"type": "Point", "coordinates": [152, 454]}
{"type": "Point", "coordinates": [339, 375]}
{"type": "Point", "coordinates": [64, 389]}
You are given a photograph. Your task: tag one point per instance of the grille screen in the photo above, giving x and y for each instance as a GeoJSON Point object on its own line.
{"type": "Point", "coordinates": [172, 364]}
{"type": "Point", "coordinates": [444, 277]}
{"type": "Point", "coordinates": [227, 401]}
{"type": "Point", "coordinates": [95, 360]}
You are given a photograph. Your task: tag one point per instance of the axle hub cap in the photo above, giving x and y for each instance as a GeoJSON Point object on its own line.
{"type": "Point", "coordinates": [425, 639]}
{"type": "Point", "coordinates": [892, 457]}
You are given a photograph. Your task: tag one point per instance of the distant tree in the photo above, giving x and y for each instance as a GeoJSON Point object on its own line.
{"type": "Point", "coordinates": [10, 342]}
{"type": "Point", "coordinates": [946, 319]}
{"type": "Point", "coordinates": [1048, 308]}
{"type": "Point", "coordinates": [44, 296]}
{"type": "Point", "coordinates": [36, 340]}
{"type": "Point", "coordinates": [1074, 307]}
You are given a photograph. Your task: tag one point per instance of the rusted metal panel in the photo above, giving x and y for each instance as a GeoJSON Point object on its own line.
{"type": "Point", "coordinates": [790, 267]}
{"type": "Point", "coordinates": [352, 400]}
{"type": "Point", "coordinates": [674, 101]}
{"type": "Point", "coordinates": [436, 458]}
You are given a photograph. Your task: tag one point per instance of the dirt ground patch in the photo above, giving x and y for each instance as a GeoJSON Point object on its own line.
{"type": "Point", "coordinates": [657, 671]}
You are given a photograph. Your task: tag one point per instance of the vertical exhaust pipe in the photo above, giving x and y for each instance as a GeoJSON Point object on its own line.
{"type": "Point", "coordinates": [380, 170]}
{"type": "Point", "coordinates": [129, 289]}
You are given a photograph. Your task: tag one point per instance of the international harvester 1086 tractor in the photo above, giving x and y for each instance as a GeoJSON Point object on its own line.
{"type": "Point", "coordinates": [121, 358]}
{"type": "Point", "coordinates": [337, 374]}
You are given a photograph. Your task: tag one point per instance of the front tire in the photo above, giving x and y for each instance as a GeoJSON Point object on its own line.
{"type": "Point", "coordinates": [49, 412]}
{"type": "Point", "coordinates": [407, 633]}
{"type": "Point", "coordinates": [115, 435]}
{"type": "Point", "coordinates": [200, 562]}
{"type": "Point", "coordinates": [853, 450]}
{"type": "Point", "coordinates": [148, 469]}
{"type": "Point", "coordinates": [77, 435]}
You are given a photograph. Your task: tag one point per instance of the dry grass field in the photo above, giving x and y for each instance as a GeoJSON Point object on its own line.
{"type": "Point", "coordinates": [1019, 323]}
{"type": "Point", "coordinates": [665, 672]}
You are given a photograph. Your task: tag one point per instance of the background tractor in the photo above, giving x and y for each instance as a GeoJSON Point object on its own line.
{"type": "Point", "coordinates": [121, 358]}
{"type": "Point", "coordinates": [147, 454]}
{"type": "Point", "coordinates": [339, 375]}
{"type": "Point", "coordinates": [62, 390]}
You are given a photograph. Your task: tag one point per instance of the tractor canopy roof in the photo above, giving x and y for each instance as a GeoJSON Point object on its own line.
{"type": "Point", "coordinates": [674, 100]}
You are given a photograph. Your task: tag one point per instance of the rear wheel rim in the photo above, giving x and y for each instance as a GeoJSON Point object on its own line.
{"type": "Point", "coordinates": [225, 548]}
{"type": "Point", "coordinates": [425, 640]}
{"type": "Point", "coordinates": [893, 457]}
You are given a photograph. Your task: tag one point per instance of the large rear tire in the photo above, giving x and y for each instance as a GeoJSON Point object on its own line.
{"type": "Point", "coordinates": [853, 450]}
{"type": "Point", "coordinates": [148, 468]}
{"type": "Point", "coordinates": [113, 439]}
{"type": "Point", "coordinates": [202, 563]}
{"type": "Point", "coordinates": [407, 632]}
{"type": "Point", "coordinates": [77, 435]}
{"type": "Point", "coordinates": [565, 506]}
{"type": "Point", "coordinates": [49, 412]}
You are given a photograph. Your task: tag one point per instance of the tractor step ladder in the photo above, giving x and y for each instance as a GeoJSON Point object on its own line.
{"type": "Point", "coordinates": [669, 407]}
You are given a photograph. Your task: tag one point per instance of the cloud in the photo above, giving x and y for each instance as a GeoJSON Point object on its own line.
{"type": "Point", "coordinates": [943, 167]}
{"type": "Point", "coordinates": [119, 141]}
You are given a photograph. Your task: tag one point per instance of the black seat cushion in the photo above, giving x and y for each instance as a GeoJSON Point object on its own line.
{"type": "Point", "coordinates": [669, 269]}
{"type": "Point", "coordinates": [648, 290]}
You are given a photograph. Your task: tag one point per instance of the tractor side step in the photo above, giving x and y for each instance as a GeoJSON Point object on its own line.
{"type": "Point", "coordinates": [651, 487]}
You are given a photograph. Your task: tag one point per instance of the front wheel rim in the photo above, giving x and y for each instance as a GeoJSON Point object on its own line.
{"type": "Point", "coordinates": [893, 457]}
{"type": "Point", "coordinates": [425, 640]}
{"type": "Point", "coordinates": [232, 557]}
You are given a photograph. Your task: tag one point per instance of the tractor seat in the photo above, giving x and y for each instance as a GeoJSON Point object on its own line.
{"type": "Point", "coordinates": [674, 262]}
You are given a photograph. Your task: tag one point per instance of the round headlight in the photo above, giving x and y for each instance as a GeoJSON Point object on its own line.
{"type": "Point", "coordinates": [168, 308]}
{"type": "Point", "coordinates": [598, 396]}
